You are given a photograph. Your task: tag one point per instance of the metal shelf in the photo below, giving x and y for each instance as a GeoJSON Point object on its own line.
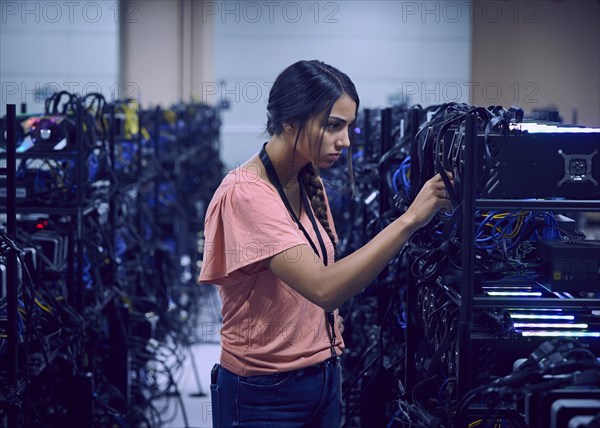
{"type": "Point", "coordinates": [44, 155]}
{"type": "Point", "coordinates": [538, 204]}
{"type": "Point", "coordinates": [468, 302]}
{"type": "Point", "coordinates": [538, 302]}
{"type": "Point", "coordinates": [44, 209]}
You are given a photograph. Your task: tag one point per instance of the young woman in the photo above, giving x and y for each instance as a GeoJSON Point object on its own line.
{"type": "Point", "coordinates": [270, 247]}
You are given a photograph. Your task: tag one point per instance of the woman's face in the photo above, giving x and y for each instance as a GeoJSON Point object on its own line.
{"type": "Point", "coordinates": [336, 136]}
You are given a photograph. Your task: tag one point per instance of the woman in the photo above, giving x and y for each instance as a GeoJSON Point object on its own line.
{"type": "Point", "coordinates": [270, 247]}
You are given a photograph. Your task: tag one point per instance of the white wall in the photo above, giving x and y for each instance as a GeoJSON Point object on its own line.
{"type": "Point", "coordinates": [167, 52]}
{"type": "Point", "coordinates": [48, 46]}
{"type": "Point", "coordinates": [386, 47]}
{"type": "Point", "coordinates": [540, 54]}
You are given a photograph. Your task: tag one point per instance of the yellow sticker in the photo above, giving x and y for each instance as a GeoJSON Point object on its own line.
{"type": "Point", "coordinates": [556, 275]}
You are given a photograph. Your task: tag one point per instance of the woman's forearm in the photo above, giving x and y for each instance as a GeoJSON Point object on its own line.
{"type": "Point", "coordinates": [354, 272]}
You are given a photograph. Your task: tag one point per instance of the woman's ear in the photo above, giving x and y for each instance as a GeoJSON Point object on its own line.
{"type": "Point", "coordinates": [289, 127]}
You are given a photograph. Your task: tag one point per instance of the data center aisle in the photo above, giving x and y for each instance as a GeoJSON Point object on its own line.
{"type": "Point", "coordinates": [195, 392]}
{"type": "Point", "coordinates": [193, 378]}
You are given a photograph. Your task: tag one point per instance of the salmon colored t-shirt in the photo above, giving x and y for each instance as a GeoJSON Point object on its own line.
{"type": "Point", "coordinates": [267, 326]}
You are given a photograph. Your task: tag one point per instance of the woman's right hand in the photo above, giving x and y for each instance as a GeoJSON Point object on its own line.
{"type": "Point", "coordinates": [432, 198]}
{"type": "Point", "coordinates": [330, 286]}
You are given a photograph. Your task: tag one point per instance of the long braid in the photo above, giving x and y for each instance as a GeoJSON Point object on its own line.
{"type": "Point", "coordinates": [314, 190]}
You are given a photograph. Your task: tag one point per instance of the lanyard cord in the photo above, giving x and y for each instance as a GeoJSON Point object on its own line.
{"type": "Point", "coordinates": [274, 179]}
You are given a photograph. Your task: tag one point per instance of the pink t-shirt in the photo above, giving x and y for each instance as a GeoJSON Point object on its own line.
{"type": "Point", "coordinates": [267, 326]}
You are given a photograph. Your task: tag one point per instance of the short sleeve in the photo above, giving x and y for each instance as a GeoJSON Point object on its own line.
{"type": "Point", "coordinates": [245, 223]}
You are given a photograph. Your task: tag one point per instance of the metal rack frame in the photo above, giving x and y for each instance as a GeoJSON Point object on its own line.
{"type": "Point", "coordinates": [468, 302]}
{"type": "Point", "coordinates": [74, 255]}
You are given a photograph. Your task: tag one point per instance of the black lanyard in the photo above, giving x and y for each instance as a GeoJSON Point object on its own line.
{"type": "Point", "coordinates": [274, 179]}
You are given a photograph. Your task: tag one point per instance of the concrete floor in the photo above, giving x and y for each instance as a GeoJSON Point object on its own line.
{"type": "Point", "coordinates": [197, 408]}
{"type": "Point", "coordinates": [206, 351]}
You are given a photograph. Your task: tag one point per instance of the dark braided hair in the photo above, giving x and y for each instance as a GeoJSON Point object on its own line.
{"type": "Point", "coordinates": [309, 178]}
{"type": "Point", "coordinates": [304, 90]}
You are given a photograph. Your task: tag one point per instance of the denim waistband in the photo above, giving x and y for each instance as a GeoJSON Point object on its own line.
{"type": "Point", "coordinates": [323, 364]}
{"type": "Point", "coordinates": [311, 394]}
{"type": "Point", "coordinates": [315, 367]}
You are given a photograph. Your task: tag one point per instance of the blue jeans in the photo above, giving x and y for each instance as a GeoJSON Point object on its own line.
{"type": "Point", "coordinates": [308, 397]}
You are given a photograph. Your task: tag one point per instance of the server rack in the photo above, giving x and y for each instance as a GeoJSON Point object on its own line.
{"type": "Point", "coordinates": [112, 325]}
{"type": "Point", "coordinates": [466, 345]}
{"type": "Point", "coordinates": [18, 380]}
